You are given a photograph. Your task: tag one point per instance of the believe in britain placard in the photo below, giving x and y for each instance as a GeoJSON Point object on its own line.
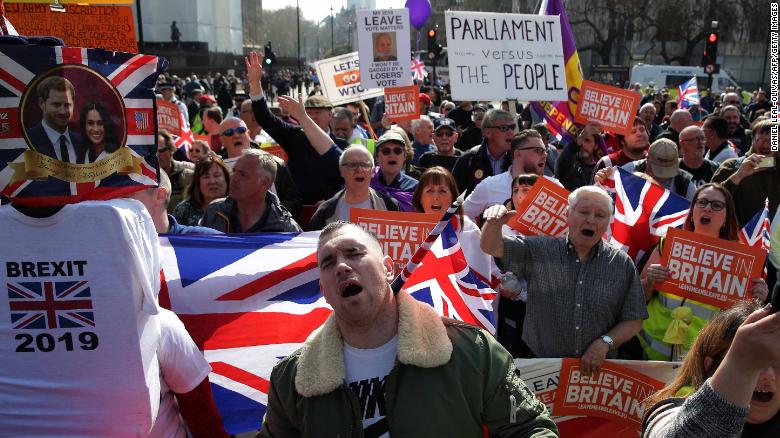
{"type": "Point", "coordinates": [505, 56]}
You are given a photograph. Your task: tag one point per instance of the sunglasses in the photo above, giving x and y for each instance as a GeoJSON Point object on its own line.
{"type": "Point", "coordinates": [503, 128]}
{"type": "Point", "coordinates": [714, 205]}
{"type": "Point", "coordinates": [540, 151]}
{"type": "Point", "coordinates": [389, 151]}
{"type": "Point", "coordinates": [230, 131]}
{"type": "Point", "coordinates": [444, 134]}
{"type": "Point", "coordinates": [354, 166]}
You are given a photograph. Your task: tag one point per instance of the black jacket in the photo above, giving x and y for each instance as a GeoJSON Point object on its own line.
{"type": "Point", "coordinates": [474, 166]}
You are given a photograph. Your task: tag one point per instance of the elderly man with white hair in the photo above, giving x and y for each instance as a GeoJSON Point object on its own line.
{"type": "Point", "coordinates": [679, 120]}
{"type": "Point", "coordinates": [584, 296]}
{"type": "Point", "coordinates": [422, 130]}
{"type": "Point", "coordinates": [647, 113]}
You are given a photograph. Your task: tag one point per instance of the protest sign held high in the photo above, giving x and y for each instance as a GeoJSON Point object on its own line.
{"type": "Point", "coordinates": [611, 107]}
{"type": "Point", "coordinates": [383, 40]}
{"type": "Point", "coordinates": [505, 56]}
{"type": "Point", "coordinates": [400, 233]}
{"type": "Point", "coordinates": [168, 117]}
{"type": "Point", "coordinates": [543, 211]}
{"type": "Point", "coordinates": [713, 271]}
{"type": "Point", "coordinates": [340, 79]}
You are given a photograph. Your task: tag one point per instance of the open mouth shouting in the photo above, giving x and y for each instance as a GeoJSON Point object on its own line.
{"type": "Point", "coordinates": [762, 397]}
{"type": "Point", "coordinates": [705, 220]}
{"type": "Point", "coordinates": [436, 207]}
{"type": "Point", "coordinates": [350, 288]}
{"type": "Point", "coordinates": [588, 232]}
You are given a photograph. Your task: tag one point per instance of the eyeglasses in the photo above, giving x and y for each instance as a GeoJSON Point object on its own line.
{"type": "Point", "coordinates": [714, 205]}
{"type": "Point", "coordinates": [388, 151]}
{"type": "Point", "coordinates": [444, 134]}
{"type": "Point", "coordinates": [230, 131]}
{"type": "Point", "coordinates": [357, 165]}
{"type": "Point", "coordinates": [538, 150]}
{"type": "Point", "coordinates": [503, 128]}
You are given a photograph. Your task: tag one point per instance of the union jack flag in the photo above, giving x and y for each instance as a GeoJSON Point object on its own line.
{"type": "Point", "coordinates": [187, 138]}
{"type": "Point", "coordinates": [132, 77]}
{"type": "Point", "coordinates": [644, 211]}
{"type": "Point", "coordinates": [50, 305]}
{"type": "Point", "coordinates": [418, 69]}
{"type": "Point", "coordinates": [756, 232]}
{"type": "Point", "coordinates": [250, 300]}
{"type": "Point", "coordinates": [688, 93]}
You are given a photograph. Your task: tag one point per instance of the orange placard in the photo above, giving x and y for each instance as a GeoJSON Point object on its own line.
{"type": "Point", "coordinates": [543, 211]}
{"type": "Point", "coordinates": [402, 103]}
{"type": "Point", "coordinates": [401, 233]}
{"type": "Point", "coordinates": [275, 149]}
{"type": "Point", "coordinates": [168, 117]}
{"type": "Point", "coordinates": [611, 107]}
{"type": "Point", "coordinates": [617, 393]}
{"type": "Point", "coordinates": [345, 78]}
{"type": "Point", "coordinates": [713, 271]}
{"type": "Point", "coordinates": [104, 27]}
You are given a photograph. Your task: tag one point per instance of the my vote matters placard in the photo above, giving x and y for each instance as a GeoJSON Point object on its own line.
{"type": "Point", "coordinates": [400, 233]}
{"type": "Point", "coordinates": [383, 44]}
{"type": "Point", "coordinates": [713, 271]}
{"type": "Point", "coordinates": [505, 56]}
{"type": "Point", "coordinates": [340, 79]}
{"type": "Point", "coordinates": [543, 211]}
{"type": "Point", "coordinates": [611, 107]}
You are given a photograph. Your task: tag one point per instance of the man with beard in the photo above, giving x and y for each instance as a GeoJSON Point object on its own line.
{"type": "Point", "coordinates": [595, 285]}
{"type": "Point", "coordinates": [489, 158]}
{"type": "Point", "coordinates": [385, 364]}
{"type": "Point", "coordinates": [356, 165]}
{"type": "Point", "coordinates": [738, 136]}
{"type": "Point", "coordinates": [634, 147]}
{"type": "Point", "coordinates": [342, 123]}
{"type": "Point", "coordinates": [529, 154]}
{"type": "Point", "coordinates": [445, 135]}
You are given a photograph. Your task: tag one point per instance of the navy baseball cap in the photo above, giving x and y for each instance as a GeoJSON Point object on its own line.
{"type": "Point", "coordinates": [444, 122]}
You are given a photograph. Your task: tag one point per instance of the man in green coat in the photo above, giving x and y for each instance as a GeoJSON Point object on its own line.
{"type": "Point", "coordinates": [388, 364]}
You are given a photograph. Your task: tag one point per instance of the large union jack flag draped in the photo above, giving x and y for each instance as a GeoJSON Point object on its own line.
{"type": "Point", "coordinates": [50, 305]}
{"type": "Point", "coordinates": [756, 232]}
{"type": "Point", "coordinates": [644, 211]}
{"type": "Point", "coordinates": [132, 77]}
{"type": "Point", "coordinates": [250, 300]}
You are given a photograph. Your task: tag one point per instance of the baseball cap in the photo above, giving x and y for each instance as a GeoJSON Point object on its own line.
{"type": "Point", "coordinates": [425, 99]}
{"type": "Point", "coordinates": [444, 122]}
{"type": "Point", "coordinates": [207, 98]}
{"type": "Point", "coordinates": [389, 136]}
{"type": "Point", "coordinates": [318, 101]}
{"type": "Point", "coordinates": [663, 158]}
{"type": "Point", "coordinates": [480, 107]}
{"type": "Point", "coordinates": [165, 86]}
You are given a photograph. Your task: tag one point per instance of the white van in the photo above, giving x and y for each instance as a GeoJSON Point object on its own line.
{"type": "Point", "coordinates": [671, 76]}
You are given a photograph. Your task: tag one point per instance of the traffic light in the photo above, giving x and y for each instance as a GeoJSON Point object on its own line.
{"type": "Point", "coordinates": [710, 55]}
{"type": "Point", "coordinates": [434, 48]}
{"type": "Point", "coordinates": [270, 56]}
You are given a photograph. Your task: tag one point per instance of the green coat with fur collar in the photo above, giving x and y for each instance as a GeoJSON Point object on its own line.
{"type": "Point", "coordinates": [449, 380]}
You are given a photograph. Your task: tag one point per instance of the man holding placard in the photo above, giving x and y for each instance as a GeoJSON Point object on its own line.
{"type": "Point", "coordinates": [594, 284]}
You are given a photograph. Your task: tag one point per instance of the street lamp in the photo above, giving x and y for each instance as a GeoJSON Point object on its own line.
{"type": "Point", "coordinates": [349, 36]}
{"type": "Point", "coordinates": [332, 46]}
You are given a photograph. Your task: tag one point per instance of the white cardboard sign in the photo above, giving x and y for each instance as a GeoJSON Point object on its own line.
{"type": "Point", "coordinates": [340, 79]}
{"type": "Point", "coordinates": [383, 42]}
{"type": "Point", "coordinates": [505, 56]}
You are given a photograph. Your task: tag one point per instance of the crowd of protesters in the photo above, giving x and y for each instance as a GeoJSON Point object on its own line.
{"type": "Point", "coordinates": [715, 154]}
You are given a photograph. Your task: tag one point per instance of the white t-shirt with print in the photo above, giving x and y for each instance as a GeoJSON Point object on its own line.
{"type": "Point", "coordinates": [366, 373]}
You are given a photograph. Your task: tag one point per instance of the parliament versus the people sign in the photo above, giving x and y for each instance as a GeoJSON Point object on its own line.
{"type": "Point", "coordinates": [383, 43]}
{"type": "Point", "coordinates": [505, 56]}
{"type": "Point", "coordinates": [543, 211]}
{"type": "Point", "coordinates": [713, 271]}
{"type": "Point", "coordinates": [340, 79]}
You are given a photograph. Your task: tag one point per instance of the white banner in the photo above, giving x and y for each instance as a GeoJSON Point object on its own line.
{"type": "Point", "coordinates": [496, 56]}
{"type": "Point", "coordinates": [340, 79]}
{"type": "Point", "coordinates": [383, 42]}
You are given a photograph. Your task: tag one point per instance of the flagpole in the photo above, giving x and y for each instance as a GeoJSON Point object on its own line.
{"type": "Point", "coordinates": [400, 280]}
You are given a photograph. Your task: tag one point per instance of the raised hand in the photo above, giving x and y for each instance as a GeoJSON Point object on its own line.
{"type": "Point", "coordinates": [254, 72]}
{"type": "Point", "coordinates": [293, 107]}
